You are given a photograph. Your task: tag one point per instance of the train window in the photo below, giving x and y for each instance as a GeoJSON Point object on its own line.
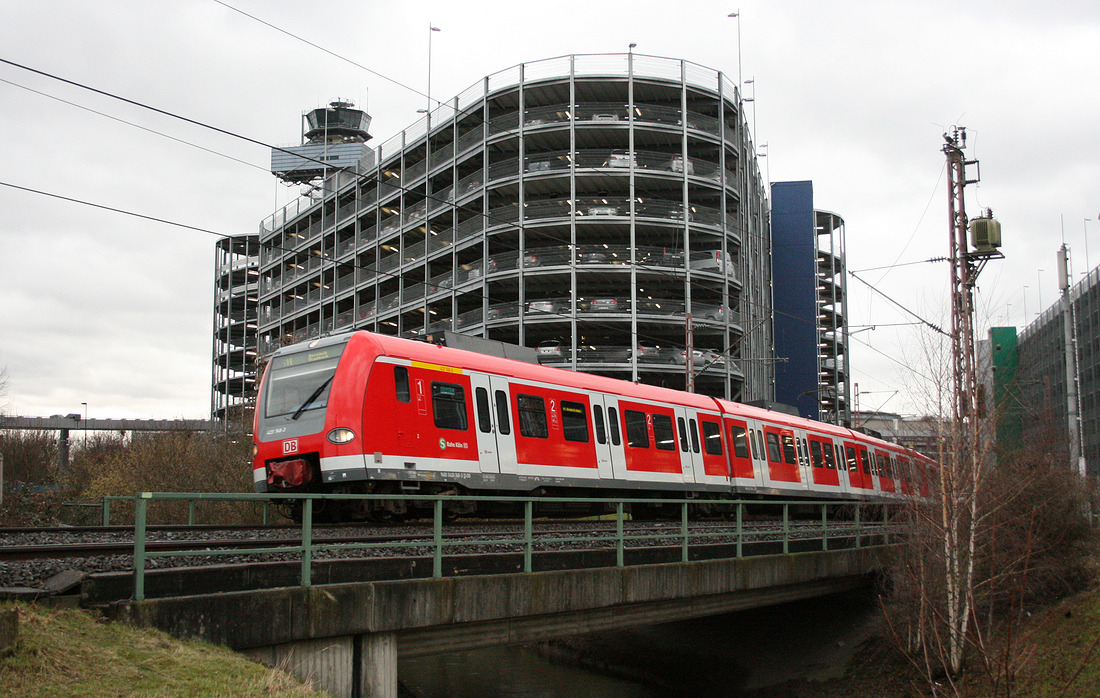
{"type": "Point", "coordinates": [815, 454]}
{"type": "Point", "coordinates": [597, 418]}
{"type": "Point", "coordinates": [401, 382]}
{"type": "Point", "coordinates": [532, 416]}
{"type": "Point", "coordinates": [694, 430]}
{"type": "Point", "coordinates": [712, 438]}
{"type": "Point", "coordinates": [788, 450]}
{"type": "Point", "coordinates": [774, 454]}
{"type": "Point", "coordinates": [758, 444]}
{"type": "Point", "coordinates": [484, 416]}
{"type": "Point", "coordinates": [827, 451]}
{"type": "Point", "coordinates": [637, 436]}
{"type": "Point", "coordinates": [574, 421]}
{"type": "Point", "coordinates": [863, 463]}
{"type": "Point", "coordinates": [852, 465]}
{"type": "Point", "coordinates": [803, 456]}
{"type": "Point", "coordinates": [683, 434]}
{"type": "Point", "coordinates": [613, 425]}
{"type": "Point", "coordinates": [449, 406]}
{"type": "Point", "coordinates": [739, 441]}
{"type": "Point", "coordinates": [664, 438]}
{"type": "Point", "coordinates": [503, 423]}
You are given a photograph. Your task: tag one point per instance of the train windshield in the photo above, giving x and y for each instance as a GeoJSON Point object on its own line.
{"type": "Point", "coordinates": [300, 382]}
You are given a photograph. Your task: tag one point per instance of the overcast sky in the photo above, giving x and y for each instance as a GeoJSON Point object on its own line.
{"type": "Point", "coordinates": [116, 311]}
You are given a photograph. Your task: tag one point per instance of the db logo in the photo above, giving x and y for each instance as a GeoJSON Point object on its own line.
{"type": "Point", "coordinates": [290, 446]}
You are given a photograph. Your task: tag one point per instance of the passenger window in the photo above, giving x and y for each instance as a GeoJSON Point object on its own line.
{"type": "Point", "coordinates": [773, 447]}
{"type": "Point", "coordinates": [503, 422]}
{"type": "Point", "coordinates": [739, 441]}
{"type": "Point", "coordinates": [694, 436]}
{"type": "Point", "coordinates": [815, 454]}
{"type": "Point", "coordinates": [757, 444]}
{"type": "Point", "coordinates": [852, 465]}
{"type": "Point", "coordinates": [484, 417]}
{"type": "Point", "coordinates": [401, 381]}
{"type": "Point", "coordinates": [788, 450]}
{"type": "Point", "coordinates": [574, 421]}
{"type": "Point", "coordinates": [532, 416]}
{"type": "Point", "coordinates": [613, 425]}
{"type": "Point", "coordinates": [683, 434]}
{"type": "Point", "coordinates": [637, 436]}
{"type": "Point", "coordinates": [863, 463]}
{"type": "Point", "coordinates": [712, 438]}
{"type": "Point", "coordinates": [601, 431]}
{"type": "Point", "coordinates": [663, 435]}
{"type": "Point", "coordinates": [829, 462]}
{"type": "Point", "coordinates": [449, 406]}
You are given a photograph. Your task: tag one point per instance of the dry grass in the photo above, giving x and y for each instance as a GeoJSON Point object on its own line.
{"type": "Point", "coordinates": [72, 653]}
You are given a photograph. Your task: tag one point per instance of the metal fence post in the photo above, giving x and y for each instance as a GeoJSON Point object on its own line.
{"type": "Point", "coordinates": [139, 546]}
{"type": "Point", "coordinates": [740, 532]}
{"type": "Point", "coordinates": [886, 524]}
{"type": "Point", "coordinates": [824, 527]}
{"type": "Point", "coordinates": [190, 512]}
{"type": "Point", "coordinates": [786, 528]}
{"type": "Point", "coordinates": [437, 537]}
{"type": "Point", "coordinates": [307, 541]}
{"type": "Point", "coordinates": [619, 552]}
{"type": "Point", "coordinates": [106, 503]}
{"type": "Point", "coordinates": [684, 532]}
{"type": "Point", "coordinates": [528, 534]}
{"type": "Point", "coordinates": [859, 529]}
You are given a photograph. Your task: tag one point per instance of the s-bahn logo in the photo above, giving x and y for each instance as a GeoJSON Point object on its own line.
{"type": "Point", "coordinates": [290, 446]}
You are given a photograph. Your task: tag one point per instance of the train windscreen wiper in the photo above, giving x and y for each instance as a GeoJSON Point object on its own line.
{"type": "Point", "coordinates": [309, 400]}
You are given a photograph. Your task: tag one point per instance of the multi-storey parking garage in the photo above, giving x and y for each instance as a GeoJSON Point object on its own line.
{"type": "Point", "coordinates": [605, 209]}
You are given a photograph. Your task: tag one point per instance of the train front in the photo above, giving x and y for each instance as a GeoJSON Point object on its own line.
{"type": "Point", "coordinates": [309, 415]}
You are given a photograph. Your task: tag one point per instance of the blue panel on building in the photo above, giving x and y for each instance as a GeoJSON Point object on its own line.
{"type": "Point", "coordinates": [794, 260]}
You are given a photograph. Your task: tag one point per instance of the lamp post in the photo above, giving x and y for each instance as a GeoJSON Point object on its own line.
{"type": "Point", "coordinates": [1084, 225]}
{"type": "Point", "coordinates": [737, 16]}
{"type": "Point", "coordinates": [431, 30]}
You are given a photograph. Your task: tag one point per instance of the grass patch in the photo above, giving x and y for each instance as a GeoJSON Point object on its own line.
{"type": "Point", "coordinates": [66, 652]}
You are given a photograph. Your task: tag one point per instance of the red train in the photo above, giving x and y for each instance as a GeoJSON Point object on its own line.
{"type": "Point", "coordinates": [368, 413]}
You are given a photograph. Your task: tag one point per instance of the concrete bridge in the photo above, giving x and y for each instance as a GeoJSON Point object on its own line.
{"type": "Point", "coordinates": [349, 637]}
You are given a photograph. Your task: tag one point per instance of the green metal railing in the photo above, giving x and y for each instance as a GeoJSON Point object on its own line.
{"type": "Point", "coordinates": [853, 526]}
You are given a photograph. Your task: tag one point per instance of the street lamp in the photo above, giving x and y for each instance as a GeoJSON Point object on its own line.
{"type": "Point", "coordinates": [1086, 234]}
{"type": "Point", "coordinates": [737, 16]}
{"type": "Point", "coordinates": [431, 30]}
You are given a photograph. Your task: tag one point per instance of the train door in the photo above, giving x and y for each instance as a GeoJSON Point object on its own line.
{"type": "Point", "coordinates": [502, 419]}
{"type": "Point", "coordinates": [803, 448]}
{"type": "Point", "coordinates": [614, 436]}
{"type": "Point", "coordinates": [496, 446]}
{"type": "Point", "coordinates": [758, 452]}
{"type": "Point", "coordinates": [605, 447]}
{"type": "Point", "coordinates": [486, 427]}
{"type": "Point", "coordinates": [691, 459]}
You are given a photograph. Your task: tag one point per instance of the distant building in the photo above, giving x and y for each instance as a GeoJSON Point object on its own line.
{"type": "Point", "coordinates": [236, 295]}
{"type": "Point", "coordinates": [918, 433]}
{"type": "Point", "coordinates": [811, 301]}
{"type": "Point", "coordinates": [1041, 376]}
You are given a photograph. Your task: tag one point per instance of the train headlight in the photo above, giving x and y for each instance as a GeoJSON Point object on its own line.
{"type": "Point", "coordinates": [255, 450]}
{"type": "Point", "coordinates": [341, 435]}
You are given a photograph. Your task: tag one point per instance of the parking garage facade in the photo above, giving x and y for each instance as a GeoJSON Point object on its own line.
{"type": "Point", "coordinates": [605, 209]}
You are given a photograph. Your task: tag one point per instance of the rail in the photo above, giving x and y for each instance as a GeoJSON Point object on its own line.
{"type": "Point", "coordinates": [857, 523]}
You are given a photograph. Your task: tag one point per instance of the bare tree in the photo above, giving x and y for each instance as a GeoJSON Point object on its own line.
{"type": "Point", "coordinates": [993, 535]}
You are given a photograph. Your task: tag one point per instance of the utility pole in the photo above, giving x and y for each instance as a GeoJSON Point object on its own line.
{"type": "Point", "coordinates": [966, 265]}
{"type": "Point", "coordinates": [1073, 401]}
